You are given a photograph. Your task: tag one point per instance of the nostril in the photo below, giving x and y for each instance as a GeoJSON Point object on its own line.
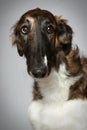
{"type": "Point", "coordinates": [39, 73]}
{"type": "Point", "coordinates": [36, 73]}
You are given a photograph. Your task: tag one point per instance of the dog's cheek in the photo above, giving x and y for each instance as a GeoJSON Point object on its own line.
{"type": "Point", "coordinates": [20, 50]}
{"type": "Point", "coordinates": [57, 43]}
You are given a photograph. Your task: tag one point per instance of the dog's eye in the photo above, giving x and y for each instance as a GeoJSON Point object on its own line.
{"type": "Point", "coordinates": [50, 29]}
{"type": "Point", "coordinates": [25, 30]}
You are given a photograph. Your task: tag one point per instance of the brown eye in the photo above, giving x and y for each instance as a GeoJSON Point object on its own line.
{"type": "Point", "coordinates": [25, 30]}
{"type": "Point", "coordinates": [50, 29]}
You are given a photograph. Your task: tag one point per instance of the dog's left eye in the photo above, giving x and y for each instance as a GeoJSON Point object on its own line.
{"type": "Point", "coordinates": [25, 30]}
{"type": "Point", "coordinates": [50, 29]}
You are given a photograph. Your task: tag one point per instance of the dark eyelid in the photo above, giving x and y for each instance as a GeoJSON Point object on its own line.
{"type": "Point", "coordinates": [27, 21]}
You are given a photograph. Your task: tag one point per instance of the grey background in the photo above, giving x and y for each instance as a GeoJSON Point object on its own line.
{"type": "Point", "coordinates": [15, 84]}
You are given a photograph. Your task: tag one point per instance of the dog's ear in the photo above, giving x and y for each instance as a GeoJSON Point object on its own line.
{"type": "Point", "coordinates": [16, 41]}
{"type": "Point", "coordinates": [64, 34]}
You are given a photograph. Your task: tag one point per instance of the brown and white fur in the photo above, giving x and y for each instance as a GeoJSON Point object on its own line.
{"type": "Point", "coordinates": [60, 75]}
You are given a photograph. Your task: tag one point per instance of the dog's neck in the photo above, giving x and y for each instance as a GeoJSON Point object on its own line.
{"type": "Point", "coordinates": [55, 88]}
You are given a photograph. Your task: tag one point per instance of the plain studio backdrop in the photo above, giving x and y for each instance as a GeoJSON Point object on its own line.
{"type": "Point", "coordinates": [15, 83]}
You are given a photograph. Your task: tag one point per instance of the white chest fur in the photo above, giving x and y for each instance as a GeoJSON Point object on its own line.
{"type": "Point", "coordinates": [72, 115]}
{"type": "Point", "coordinates": [54, 112]}
{"type": "Point", "coordinates": [55, 88]}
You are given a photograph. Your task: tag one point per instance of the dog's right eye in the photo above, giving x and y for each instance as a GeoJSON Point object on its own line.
{"type": "Point", "coordinates": [50, 29]}
{"type": "Point", "coordinates": [25, 30]}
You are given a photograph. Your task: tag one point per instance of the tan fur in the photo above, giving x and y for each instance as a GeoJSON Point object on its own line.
{"type": "Point", "coordinates": [73, 62]}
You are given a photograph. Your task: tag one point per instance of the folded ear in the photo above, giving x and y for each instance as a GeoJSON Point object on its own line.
{"type": "Point", "coordinates": [64, 34]}
{"type": "Point", "coordinates": [16, 41]}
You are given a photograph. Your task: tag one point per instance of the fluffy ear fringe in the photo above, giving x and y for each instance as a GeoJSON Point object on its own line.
{"type": "Point", "coordinates": [16, 42]}
{"type": "Point", "coordinates": [59, 18]}
{"type": "Point", "coordinates": [13, 35]}
{"type": "Point", "coordinates": [64, 34]}
{"type": "Point", "coordinates": [13, 38]}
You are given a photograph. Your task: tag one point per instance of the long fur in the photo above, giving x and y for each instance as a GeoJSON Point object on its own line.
{"type": "Point", "coordinates": [59, 73]}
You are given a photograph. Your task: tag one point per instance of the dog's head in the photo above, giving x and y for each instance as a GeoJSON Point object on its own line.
{"type": "Point", "coordinates": [40, 36]}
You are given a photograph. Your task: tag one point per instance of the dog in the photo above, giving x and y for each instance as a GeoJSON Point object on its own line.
{"type": "Point", "coordinates": [59, 72]}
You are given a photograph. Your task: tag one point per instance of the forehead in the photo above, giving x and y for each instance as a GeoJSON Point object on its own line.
{"type": "Point", "coordinates": [38, 15]}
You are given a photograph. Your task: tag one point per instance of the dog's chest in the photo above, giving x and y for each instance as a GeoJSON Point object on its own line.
{"type": "Point", "coordinates": [48, 113]}
{"type": "Point", "coordinates": [56, 88]}
{"type": "Point", "coordinates": [70, 116]}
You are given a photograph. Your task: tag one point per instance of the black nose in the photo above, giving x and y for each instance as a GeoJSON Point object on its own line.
{"type": "Point", "coordinates": [39, 72]}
